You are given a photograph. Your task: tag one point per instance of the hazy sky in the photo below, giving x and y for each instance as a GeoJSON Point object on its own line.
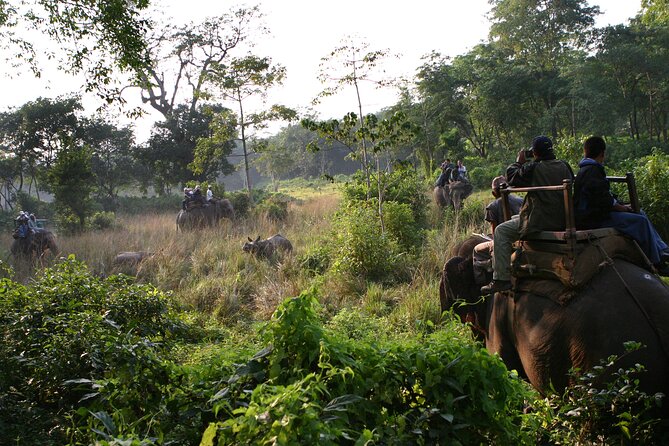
{"type": "Point", "coordinates": [303, 31]}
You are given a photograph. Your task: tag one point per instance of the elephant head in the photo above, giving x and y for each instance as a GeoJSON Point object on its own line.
{"type": "Point", "coordinates": [459, 291]}
{"type": "Point", "coordinates": [441, 197]}
{"type": "Point", "coordinates": [459, 191]}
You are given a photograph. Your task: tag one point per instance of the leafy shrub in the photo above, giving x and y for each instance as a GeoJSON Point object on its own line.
{"type": "Point", "coordinates": [403, 186]}
{"type": "Point", "coordinates": [313, 386]}
{"type": "Point", "coordinates": [400, 223]}
{"type": "Point", "coordinates": [624, 152]}
{"type": "Point", "coordinates": [472, 214]}
{"type": "Point", "coordinates": [102, 220]}
{"type": "Point", "coordinates": [360, 249]}
{"type": "Point", "coordinates": [240, 202]}
{"type": "Point", "coordinates": [275, 208]}
{"type": "Point", "coordinates": [355, 325]}
{"type": "Point", "coordinates": [652, 177]}
{"type": "Point", "coordinates": [614, 413]}
{"type": "Point", "coordinates": [67, 223]}
{"type": "Point", "coordinates": [317, 259]}
{"type": "Point", "coordinates": [7, 220]}
{"type": "Point", "coordinates": [69, 328]}
{"type": "Point", "coordinates": [481, 177]}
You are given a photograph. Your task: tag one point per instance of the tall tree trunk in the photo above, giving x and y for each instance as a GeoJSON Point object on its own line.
{"type": "Point", "coordinates": [247, 177]}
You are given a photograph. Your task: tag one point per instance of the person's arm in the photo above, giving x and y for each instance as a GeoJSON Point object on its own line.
{"type": "Point", "coordinates": [519, 174]}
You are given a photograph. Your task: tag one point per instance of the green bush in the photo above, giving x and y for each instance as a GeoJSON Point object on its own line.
{"type": "Point", "coordinates": [67, 223]}
{"type": "Point", "coordinates": [102, 220]}
{"type": "Point", "coordinates": [240, 202]}
{"type": "Point", "coordinates": [471, 215]}
{"type": "Point", "coordinates": [314, 386]}
{"type": "Point", "coordinates": [590, 412]}
{"type": "Point", "coordinates": [400, 224]}
{"type": "Point", "coordinates": [403, 186]}
{"type": "Point", "coordinates": [360, 249]}
{"type": "Point", "coordinates": [481, 177]}
{"type": "Point", "coordinates": [317, 259]}
{"type": "Point", "coordinates": [274, 207]}
{"type": "Point", "coordinates": [652, 178]}
{"type": "Point", "coordinates": [70, 328]}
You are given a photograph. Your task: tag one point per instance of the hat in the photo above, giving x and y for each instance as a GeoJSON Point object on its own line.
{"type": "Point", "coordinates": [497, 182]}
{"type": "Point", "coordinates": [542, 144]}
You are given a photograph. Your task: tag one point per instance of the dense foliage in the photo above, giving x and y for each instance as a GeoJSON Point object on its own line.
{"type": "Point", "coordinates": [70, 328]}
{"type": "Point", "coordinates": [315, 386]}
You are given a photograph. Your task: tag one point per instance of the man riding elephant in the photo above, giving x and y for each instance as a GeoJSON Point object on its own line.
{"type": "Point", "coordinates": [541, 210]}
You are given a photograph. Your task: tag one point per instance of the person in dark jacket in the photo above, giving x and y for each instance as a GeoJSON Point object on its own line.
{"type": "Point", "coordinates": [541, 210]}
{"type": "Point", "coordinates": [446, 169]}
{"type": "Point", "coordinates": [494, 214]}
{"type": "Point", "coordinates": [596, 207]}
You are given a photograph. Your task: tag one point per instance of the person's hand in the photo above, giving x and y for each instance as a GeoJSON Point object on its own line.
{"type": "Point", "coordinates": [520, 158]}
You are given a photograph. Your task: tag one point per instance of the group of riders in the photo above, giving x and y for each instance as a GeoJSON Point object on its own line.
{"type": "Point", "coordinates": [193, 197]}
{"type": "Point", "coordinates": [25, 226]}
{"type": "Point", "coordinates": [544, 210]}
{"type": "Point", "coordinates": [451, 173]}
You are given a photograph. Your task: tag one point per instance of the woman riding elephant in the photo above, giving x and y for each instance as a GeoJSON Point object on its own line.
{"type": "Point", "coordinates": [543, 337]}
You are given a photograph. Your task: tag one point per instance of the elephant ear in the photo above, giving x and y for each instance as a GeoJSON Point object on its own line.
{"type": "Point", "coordinates": [459, 275]}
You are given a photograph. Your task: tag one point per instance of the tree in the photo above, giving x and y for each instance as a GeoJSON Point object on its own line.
{"type": "Point", "coordinates": [170, 151]}
{"type": "Point", "coordinates": [276, 159]}
{"type": "Point", "coordinates": [71, 180]}
{"type": "Point", "coordinates": [654, 12]}
{"type": "Point", "coordinates": [112, 163]}
{"type": "Point", "coordinates": [182, 57]}
{"type": "Point", "coordinates": [239, 81]}
{"type": "Point", "coordinates": [98, 36]}
{"type": "Point", "coordinates": [541, 36]}
{"type": "Point", "coordinates": [210, 156]}
{"type": "Point", "coordinates": [34, 134]}
{"type": "Point", "coordinates": [350, 65]}
{"type": "Point", "coordinates": [175, 85]}
{"type": "Point", "coordinates": [633, 59]}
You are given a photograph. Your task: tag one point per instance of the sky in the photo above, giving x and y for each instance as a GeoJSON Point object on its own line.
{"type": "Point", "coordinates": [304, 31]}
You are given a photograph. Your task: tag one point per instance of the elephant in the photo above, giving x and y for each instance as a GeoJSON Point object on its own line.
{"type": "Point", "coordinates": [35, 247]}
{"type": "Point", "coordinates": [455, 197]}
{"type": "Point", "coordinates": [199, 217]}
{"type": "Point", "coordinates": [543, 339]}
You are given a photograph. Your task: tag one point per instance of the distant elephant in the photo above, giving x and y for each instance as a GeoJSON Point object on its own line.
{"type": "Point", "coordinates": [452, 194]}
{"type": "Point", "coordinates": [543, 339]}
{"type": "Point", "coordinates": [35, 247]}
{"type": "Point", "coordinates": [199, 217]}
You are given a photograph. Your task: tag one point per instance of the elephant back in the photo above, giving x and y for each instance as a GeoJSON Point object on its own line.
{"type": "Point", "coordinates": [542, 260]}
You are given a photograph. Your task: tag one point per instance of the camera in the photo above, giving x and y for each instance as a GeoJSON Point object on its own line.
{"type": "Point", "coordinates": [529, 154]}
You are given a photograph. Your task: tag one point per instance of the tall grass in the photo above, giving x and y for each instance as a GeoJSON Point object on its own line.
{"type": "Point", "coordinates": [207, 271]}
